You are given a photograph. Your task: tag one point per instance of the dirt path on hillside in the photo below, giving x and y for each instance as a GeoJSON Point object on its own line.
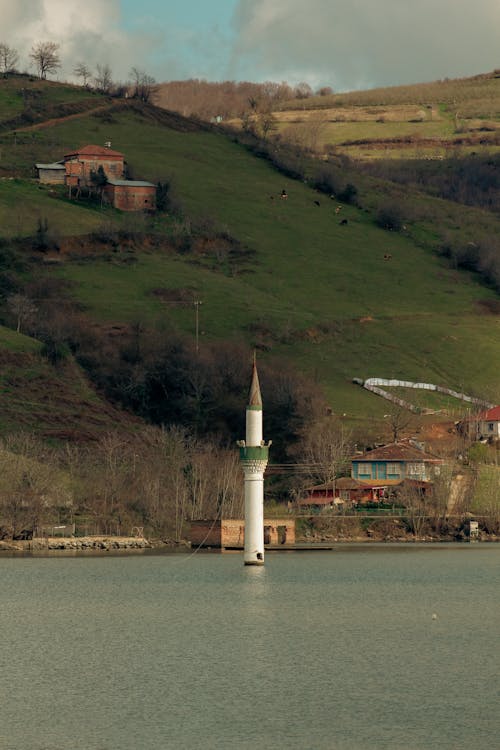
{"type": "Point", "coordinates": [57, 120]}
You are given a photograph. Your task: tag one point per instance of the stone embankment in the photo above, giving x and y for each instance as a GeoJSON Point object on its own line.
{"type": "Point", "coordinates": [90, 543]}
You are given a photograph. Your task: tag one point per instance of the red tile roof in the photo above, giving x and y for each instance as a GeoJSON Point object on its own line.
{"type": "Point", "coordinates": [90, 150]}
{"type": "Point", "coordinates": [344, 483]}
{"type": "Point", "coordinates": [397, 452]}
{"type": "Point", "coordinates": [492, 415]}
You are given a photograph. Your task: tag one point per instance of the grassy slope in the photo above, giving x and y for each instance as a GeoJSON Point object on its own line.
{"type": "Point", "coordinates": [434, 118]}
{"type": "Point", "coordinates": [24, 202]}
{"type": "Point", "coordinates": [21, 93]}
{"type": "Point", "coordinates": [312, 280]}
{"type": "Point", "coordinates": [55, 401]}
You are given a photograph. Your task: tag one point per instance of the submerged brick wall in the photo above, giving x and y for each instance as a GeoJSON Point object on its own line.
{"type": "Point", "coordinates": [231, 532]}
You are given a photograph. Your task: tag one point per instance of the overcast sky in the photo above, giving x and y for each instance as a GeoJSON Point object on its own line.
{"type": "Point", "coordinates": [347, 45]}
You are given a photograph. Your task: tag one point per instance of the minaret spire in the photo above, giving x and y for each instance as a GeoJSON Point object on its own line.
{"type": "Point", "coordinates": [254, 455]}
{"type": "Point", "coordinates": [255, 398]}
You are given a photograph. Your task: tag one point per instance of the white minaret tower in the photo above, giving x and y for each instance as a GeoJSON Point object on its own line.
{"type": "Point", "coordinates": [254, 455]}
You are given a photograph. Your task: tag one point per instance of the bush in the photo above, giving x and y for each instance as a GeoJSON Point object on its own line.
{"type": "Point", "coordinates": [349, 194]}
{"type": "Point", "coordinates": [162, 197]}
{"type": "Point", "coordinates": [327, 182]}
{"type": "Point", "coordinates": [55, 351]}
{"type": "Point", "coordinates": [389, 216]}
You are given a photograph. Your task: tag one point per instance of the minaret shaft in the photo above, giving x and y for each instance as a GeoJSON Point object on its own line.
{"type": "Point", "coordinates": [254, 427]}
{"type": "Point", "coordinates": [254, 455]}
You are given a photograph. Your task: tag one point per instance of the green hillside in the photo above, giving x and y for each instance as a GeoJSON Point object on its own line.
{"type": "Point", "coordinates": [426, 120]}
{"type": "Point", "coordinates": [57, 402]}
{"type": "Point", "coordinates": [298, 280]}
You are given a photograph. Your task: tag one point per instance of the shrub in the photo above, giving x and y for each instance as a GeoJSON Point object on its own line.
{"type": "Point", "coordinates": [349, 194]}
{"type": "Point", "coordinates": [55, 351]}
{"type": "Point", "coordinates": [327, 182]}
{"type": "Point", "coordinates": [389, 216]}
{"type": "Point", "coordinates": [162, 198]}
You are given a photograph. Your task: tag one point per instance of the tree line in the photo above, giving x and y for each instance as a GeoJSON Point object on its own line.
{"type": "Point", "coordinates": [209, 100]}
{"type": "Point", "coordinates": [161, 478]}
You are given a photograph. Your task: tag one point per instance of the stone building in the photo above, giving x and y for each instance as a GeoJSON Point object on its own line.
{"type": "Point", "coordinates": [230, 533]}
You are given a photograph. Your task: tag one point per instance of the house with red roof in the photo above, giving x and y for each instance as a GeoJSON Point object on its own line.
{"type": "Point", "coordinates": [77, 168]}
{"type": "Point", "coordinates": [341, 491]}
{"type": "Point", "coordinates": [383, 474]}
{"type": "Point", "coordinates": [488, 424]}
{"type": "Point", "coordinates": [80, 164]}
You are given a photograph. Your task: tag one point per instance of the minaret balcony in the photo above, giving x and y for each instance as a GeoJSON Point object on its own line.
{"type": "Point", "coordinates": [254, 453]}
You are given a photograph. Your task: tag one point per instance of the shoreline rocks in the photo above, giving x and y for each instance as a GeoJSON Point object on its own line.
{"type": "Point", "coordinates": [91, 543]}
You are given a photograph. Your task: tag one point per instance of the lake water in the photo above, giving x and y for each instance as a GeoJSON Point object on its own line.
{"type": "Point", "coordinates": [318, 650]}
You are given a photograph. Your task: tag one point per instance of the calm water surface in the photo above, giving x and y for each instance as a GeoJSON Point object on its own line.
{"type": "Point", "coordinates": [319, 650]}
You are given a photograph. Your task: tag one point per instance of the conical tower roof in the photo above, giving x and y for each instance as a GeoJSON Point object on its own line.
{"type": "Point", "coordinates": [255, 398]}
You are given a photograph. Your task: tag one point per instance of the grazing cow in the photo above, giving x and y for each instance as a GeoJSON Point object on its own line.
{"type": "Point", "coordinates": [317, 203]}
{"type": "Point", "coordinates": [284, 195]}
{"type": "Point", "coordinates": [338, 209]}
{"type": "Point", "coordinates": [343, 222]}
{"type": "Point", "coordinates": [387, 256]}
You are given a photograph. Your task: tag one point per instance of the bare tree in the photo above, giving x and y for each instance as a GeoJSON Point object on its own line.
{"type": "Point", "coordinates": [83, 72]}
{"type": "Point", "coordinates": [32, 486]}
{"type": "Point", "coordinates": [143, 84]}
{"type": "Point", "coordinates": [267, 124]}
{"type": "Point", "coordinates": [416, 509]}
{"type": "Point", "coordinates": [45, 56]}
{"type": "Point", "coordinates": [324, 450]}
{"type": "Point", "coordinates": [104, 79]}
{"type": "Point", "coordinates": [303, 90]}
{"type": "Point", "coordinates": [399, 420]}
{"type": "Point", "coordinates": [9, 58]}
{"type": "Point", "coordinates": [22, 308]}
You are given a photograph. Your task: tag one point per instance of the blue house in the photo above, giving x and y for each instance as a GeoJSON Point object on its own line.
{"type": "Point", "coordinates": [395, 463]}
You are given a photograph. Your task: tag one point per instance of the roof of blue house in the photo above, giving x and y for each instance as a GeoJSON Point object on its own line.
{"type": "Point", "coordinates": [399, 451]}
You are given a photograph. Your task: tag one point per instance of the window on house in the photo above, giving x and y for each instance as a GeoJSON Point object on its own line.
{"type": "Point", "coordinates": [393, 469]}
{"type": "Point", "coordinates": [364, 470]}
{"type": "Point", "coordinates": [415, 470]}
{"type": "Point", "coordinates": [491, 426]}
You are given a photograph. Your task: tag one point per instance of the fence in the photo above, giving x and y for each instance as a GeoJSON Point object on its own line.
{"type": "Point", "coordinates": [374, 385]}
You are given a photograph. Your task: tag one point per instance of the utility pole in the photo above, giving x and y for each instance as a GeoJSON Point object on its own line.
{"type": "Point", "coordinates": [197, 303]}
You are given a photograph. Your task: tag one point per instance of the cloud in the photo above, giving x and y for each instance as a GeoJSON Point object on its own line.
{"type": "Point", "coordinates": [88, 31]}
{"type": "Point", "coordinates": [350, 44]}
{"type": "Point", "coordinates": [364, 43]}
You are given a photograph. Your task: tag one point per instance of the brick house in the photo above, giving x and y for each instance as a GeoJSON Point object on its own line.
{"type": "Point", "coordinates": [76, 168]}
{"type": "Point", "coordinates": [131, 195]}
{"type": "Point", "coordinates": [81, 163]}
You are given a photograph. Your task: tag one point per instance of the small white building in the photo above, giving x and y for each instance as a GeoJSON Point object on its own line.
{"type": "Point", "coordinates": [488, 424]}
